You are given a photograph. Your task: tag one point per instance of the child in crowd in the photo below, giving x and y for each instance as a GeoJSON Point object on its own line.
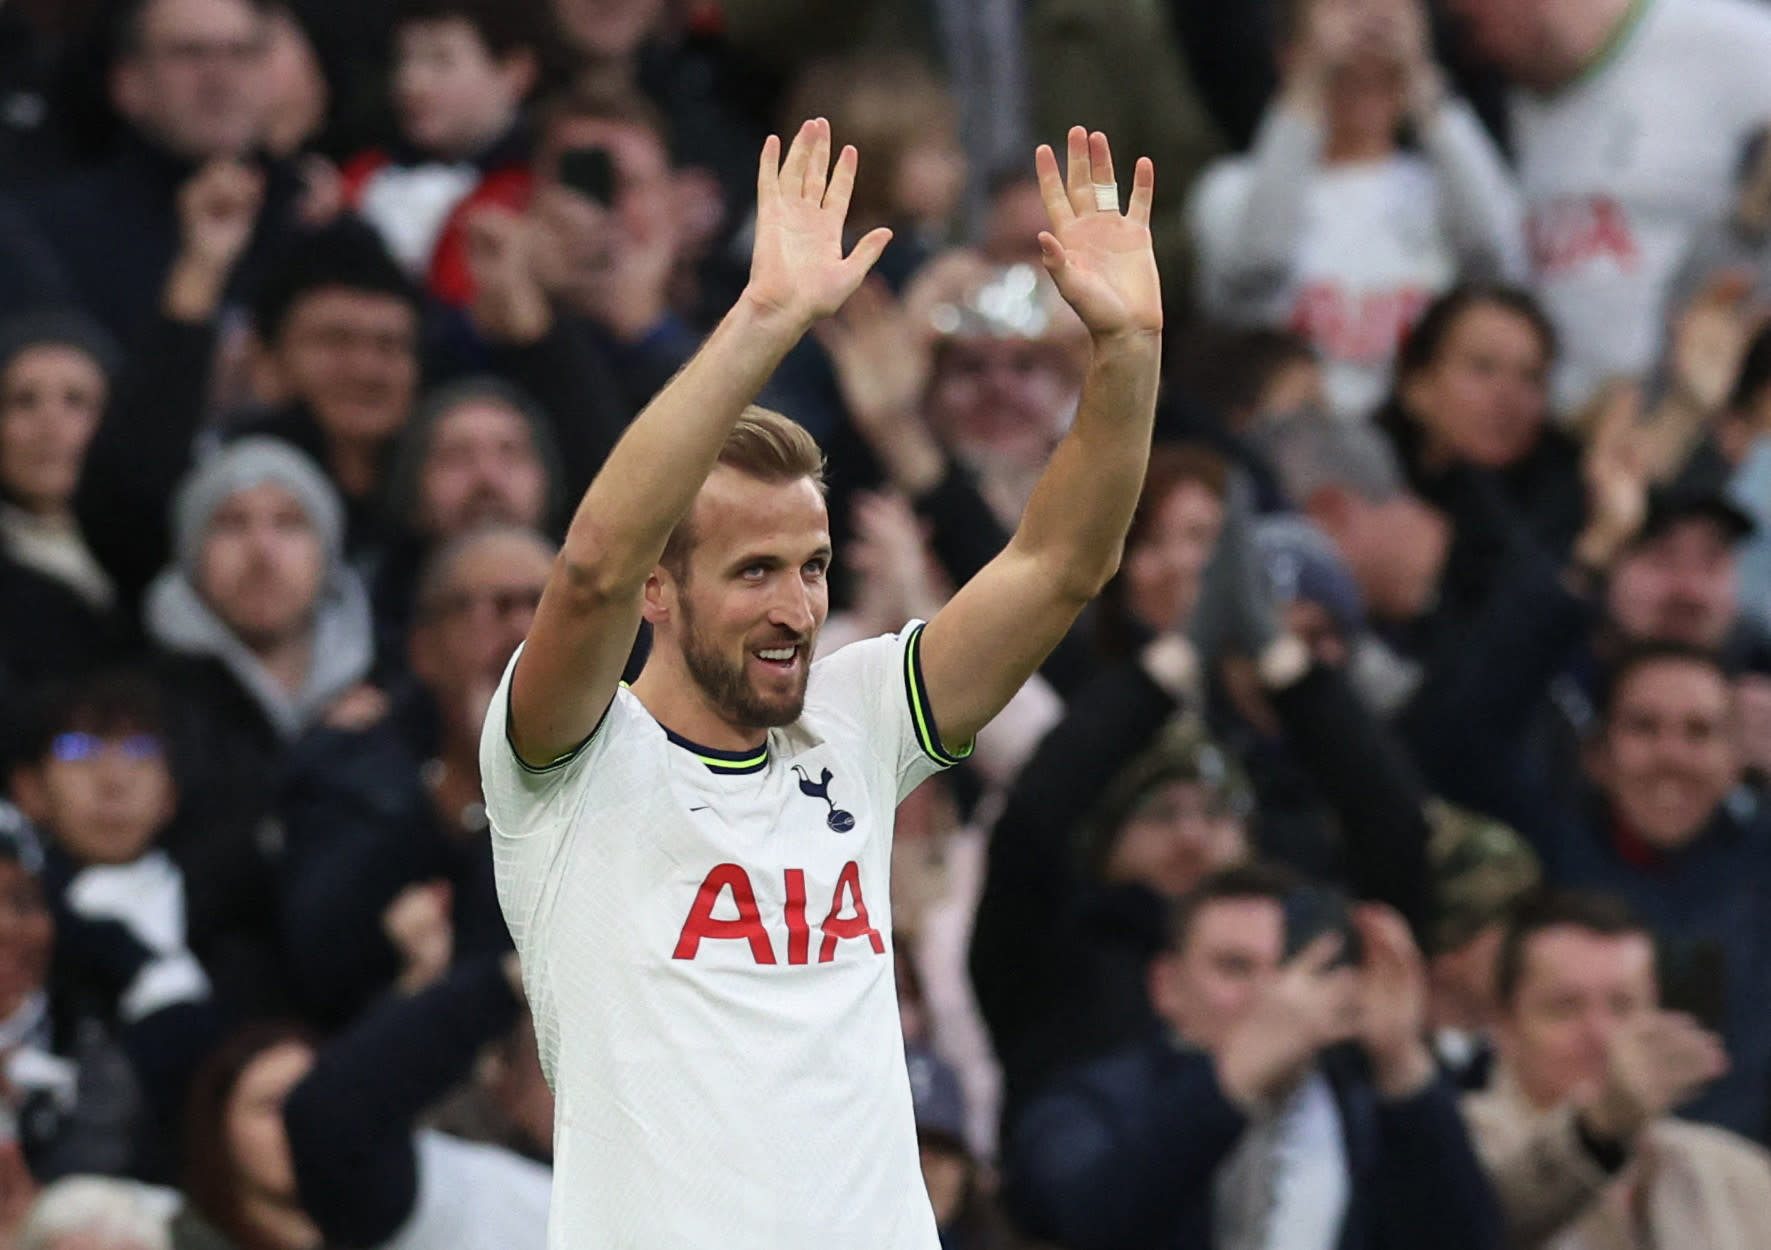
{"type": "Point", "coordinates": [94, 777]}
{"type": "Point", "coordinates": [462, 72]}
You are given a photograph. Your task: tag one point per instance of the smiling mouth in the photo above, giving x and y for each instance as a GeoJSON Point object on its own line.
{"type": "Point", "coordinates": [780, 659]}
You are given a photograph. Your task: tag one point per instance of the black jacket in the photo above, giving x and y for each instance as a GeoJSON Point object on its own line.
{"type": "Point", "coordinates": [1122, 1155]}
{"type": "Point", "coordinates": [227, 760]}
{"type": "Point", "coordinates": [359, 827]}
{"type": "Point", "coordinates": [1058, 958]}
{"type": "Point", "coordinates": [115, 231]}
{"type": "Point", "coordinates": [351, 1120]}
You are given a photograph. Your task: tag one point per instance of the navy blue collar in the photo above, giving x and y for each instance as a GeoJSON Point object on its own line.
{"type": "Point", "coordinates": [729, 763]}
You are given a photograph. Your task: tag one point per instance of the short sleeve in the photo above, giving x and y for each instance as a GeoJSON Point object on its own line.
{"type": "Point", "coordinates": [521, 799]}
{"type": "Point", "coordinates": [880, 680]}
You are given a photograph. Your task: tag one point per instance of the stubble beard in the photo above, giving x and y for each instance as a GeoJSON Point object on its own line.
{"type": "Point", "coordinates": [727, 686]}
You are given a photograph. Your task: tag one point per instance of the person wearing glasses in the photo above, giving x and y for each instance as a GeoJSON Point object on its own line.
{"type": "Point", "coordinates": [386, 870]}
{"type": "Point", "coordinates": [103, 1011]}
{"type": "Point", "coordinates": [188, 83]}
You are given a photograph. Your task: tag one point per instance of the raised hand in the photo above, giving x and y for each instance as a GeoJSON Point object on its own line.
{"type": "Point", "coordinates": [1100, 258]}
{"type": "Point", "coordinates": [891, 560]}
{"type": "Point", "coordinates": [217, 210]}
{"type": "Point", "coordinates": [217, 213]}
{"type": "Point", "coordinates": [881, 363]}
{"type": "Point", "coordinates": [797, 266]}
{"type": "Point", "coordinates": [419, 924]}
{"type": "Point", "coordinates": [1615, 470]}
{"type": "Point", "coordinates": [1392, 1002]}
{"type": "Point", "coordinates": [510, 305]}
{"type": "Point", "coordinates": [1710, 338]}
{"type": "Point", "coordinates": [1655, 1063]}
{"type": "Point", "coordinates": [1308, 1005]}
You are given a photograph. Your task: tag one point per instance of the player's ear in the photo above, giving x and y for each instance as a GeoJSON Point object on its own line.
{"type": "Point", "coordinates": [659, 596]}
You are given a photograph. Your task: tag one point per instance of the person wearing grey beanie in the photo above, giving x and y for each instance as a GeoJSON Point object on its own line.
{"type": "Point", "coordinates": [259, 583]}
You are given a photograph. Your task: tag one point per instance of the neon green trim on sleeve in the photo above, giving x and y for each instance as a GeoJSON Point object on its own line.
{"type": "Point", "coordinates": [928, 735]}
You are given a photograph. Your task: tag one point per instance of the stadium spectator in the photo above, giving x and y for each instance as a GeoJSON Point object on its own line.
{"type": "Point", "coordinates": [1471, 389]}
{"type": "Point", "coordinates": [1577, 1132]}
{"type": "Point", "coordinates": [1327, 228]}
{"type": "Point", "coordinates": [1674, 583]}
{"type": "Point", "coordinates": [1615, 193]}
{"type": "Point", "coordinates": [72, 1100]}
{"type": "Point", "coordinates": [337, 364]}
{"type": "Point", "coordinates": [477, 452]}
{"type": "Point", "coordinates": [462, 71]}
{"type": "Point", "coordinates": [577, 297]}
{"type": "Point", "coordinates": [364, 1169]}
{"type": "Point", "coordinates": [144, 444]}
{"type": "Point", "coordinates": [262, 634]}
{"type": "Point", "coordinates": [1347, 482]}
{"type": "Point", "coordinates": [370, 812]}
{"type": "Point", "coordinates": [185, 83]}
{"type": "Point", "coordinates": [238, 1183]}
{"type": "Point", "coordinates": [59, 606]}
{"type": "Point", "coordinates": [1016, 70]}
{"type": "Point", "coordinates": [1482, 870]}
{"type": "Point", "coordinates": [95, 777]}
{"type": "Point", "coordinates": [1247, 1120]}
{"type": "Point", "coordinates": [1660, 820]}
{"type": "Point", "coordinates": [1124, 808]}
{"type": "Point", "coordinates": [294, 1145]}
{"type": "Point", "coordinates": [958, 391]}
{"type": "Point", "coordinates": [960, 1190]}
{"type": "Point", "coordinates": [1737, 454]}
{"type": "Point", "coordinates": [896, 110]}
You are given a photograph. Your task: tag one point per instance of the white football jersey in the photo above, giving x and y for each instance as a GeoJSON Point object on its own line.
{"type": "Point", "coordinates": [1371, 256]}
{"type": "Point", "coordinates": [1621, 167]}
{"type": "Point", "coordinates": [706, 943]}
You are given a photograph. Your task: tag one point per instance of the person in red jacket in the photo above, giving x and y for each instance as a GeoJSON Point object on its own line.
{"type": "Point", "coordinates": [463, 70]}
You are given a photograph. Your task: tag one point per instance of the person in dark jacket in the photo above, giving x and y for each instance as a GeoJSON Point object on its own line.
{"type": "Point", "coordinates": [161, 396]}
{"type": "Point", "coordinates": [296, 1145]}
{"type": "Point", "coordinates": [262, 634]}
{"type": "Point", "coordinates": [1249, 1120]}
{"type": "Point", "coordinates": [73, 1095]}
{"type": "Point", "coordinates": [185, 84]}
{"type": "Point", "coordinates": [95, 777]}
{"type": "Point", "coordinates": [1090, 848]}
{"type": "Point", "coordinates": [369, 814]}
{"type": "Point", "coordinates": [1662, 821]}
{"type": "Point", "coordinates": [1471, 388]}
{"type": "Point", "coordinates": [338, 333]}
{"type": "Point", "coordinates": [61, 609]}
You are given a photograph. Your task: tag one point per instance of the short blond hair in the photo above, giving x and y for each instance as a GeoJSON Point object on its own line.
{"type": "Point", "coordinates": [764, 445]}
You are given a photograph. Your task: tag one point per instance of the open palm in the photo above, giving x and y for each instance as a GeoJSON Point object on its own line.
{"type": "Point", "coordinates": [1100, 258]}
{"type": "Point", "coordinates": [797, 264]}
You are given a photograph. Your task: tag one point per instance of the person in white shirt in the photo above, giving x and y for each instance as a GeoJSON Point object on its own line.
{"type": "Point", "coordinates": [1330, 229]}
{"type": "Point", "coordinates": [1629, 120]}
{"type": "Point", "coordinates": [695, 869]}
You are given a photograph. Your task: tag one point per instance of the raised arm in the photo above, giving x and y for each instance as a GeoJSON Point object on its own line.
{"type": "Point", "coordinates": [1002, 624]}
{"type": "Point", "coordinates": [590, 611]}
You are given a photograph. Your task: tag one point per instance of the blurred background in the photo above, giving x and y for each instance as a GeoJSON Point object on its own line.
{"type": "Point", "coordinates": [1383, 862]}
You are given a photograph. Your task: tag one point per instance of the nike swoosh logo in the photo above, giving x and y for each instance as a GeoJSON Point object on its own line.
{"type": "Point", "coordinates": [702, 808]}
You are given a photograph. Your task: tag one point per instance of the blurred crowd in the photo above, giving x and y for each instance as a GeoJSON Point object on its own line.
{"type": "Point", "coordinates": [1384, 862]}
